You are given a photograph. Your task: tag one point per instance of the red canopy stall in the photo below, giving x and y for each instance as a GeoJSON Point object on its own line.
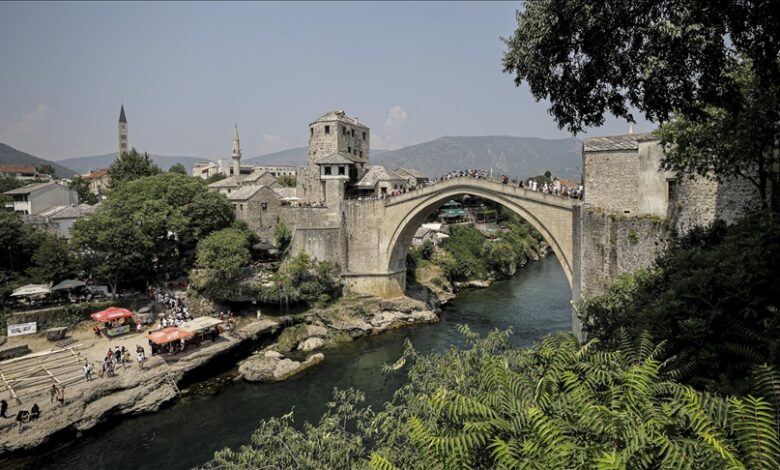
{"type": "Point", "coordinates": [167, 336]}
{"type": "Point", "coordinates": [115, 319]}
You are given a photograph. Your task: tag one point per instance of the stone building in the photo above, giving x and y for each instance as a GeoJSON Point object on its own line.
{"type": "Point", "coordinates": [260, 206]}
{"type": "Point", "coordinates": [379, 181]}
{"type": "Point", "coordinates": [122, 131]}
{"type": "Point", "coordinates": [414, 178]}
{"type": "Point", "coordinates": [338, 158]}
{"type": "Point", "coordinates": [98, 182]}
{"type": "Point", "coordinates": [22, 172]}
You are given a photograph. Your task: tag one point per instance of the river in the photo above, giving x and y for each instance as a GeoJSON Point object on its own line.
{"type": "Point", "coordinates": [533, 303]}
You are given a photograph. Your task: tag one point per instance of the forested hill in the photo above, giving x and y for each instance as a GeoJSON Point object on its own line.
{"type": "Point", "coordinates": [12, 156]}
{"type": "Point", "coordinates": [512, 156]}
{"type": "Point", "coordinates": [85, 164]}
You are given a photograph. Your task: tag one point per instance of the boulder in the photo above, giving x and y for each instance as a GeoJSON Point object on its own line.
{"type": "Point", "coordinates": [273, 353]}
{"type": "Point", "coordinates": [11, 352]}
{"type": "Point", "coordinates": [56, 334]}
{"type": "Point", "coordinates": [273, 369]}
{"type": "Point", "coordinates": [310, 344]}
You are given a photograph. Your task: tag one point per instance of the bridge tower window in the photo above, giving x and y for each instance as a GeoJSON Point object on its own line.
{"type": "Point", "coordinates": [342, 170]}
{"type": "Point", "coordinates": [327, 130]}
{"type": "Point", "coordinates": [327, 170]}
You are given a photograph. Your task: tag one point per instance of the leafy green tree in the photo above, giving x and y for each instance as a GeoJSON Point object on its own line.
{"type": "Point", "coordinates": [301, 279]}
{"type": "Point", "coordinates": [287, 181]}
{"type": "Point", "coordinates": [282, 237]}
{"type": "Point", "coordinates": [81, 186]}
{"type": "Point", "coordinates": [130, 166]}
{"type": "Point", "coordinates": [215, 177]}
{"type": "Point", "coordinates": [559, 404]}
{"type": "Point", "coordinates": [708, 66]}
{"type": "Point", "coordinates": [160, 219]}
{"type": "Point", "coordinates": [46, 169]}
{"type": "Point", "coordinates": [178, 168]}
{"type": "Point", "coordinates": [500, 257]}
{"type": "Point", "coordinates": [52, 261]}
{"type": "Point", "coordinates": [226, 250]}
{"type": "Point", "coordinates": [112, 249]}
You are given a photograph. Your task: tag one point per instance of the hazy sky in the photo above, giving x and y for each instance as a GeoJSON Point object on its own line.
{"type": "Point", "coordinates": [187, 72]}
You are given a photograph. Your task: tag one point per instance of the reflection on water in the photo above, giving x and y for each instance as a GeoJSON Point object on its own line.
{"type": "Point", "coordinates": [533, 303]}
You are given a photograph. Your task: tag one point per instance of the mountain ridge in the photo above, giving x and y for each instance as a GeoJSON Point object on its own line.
{"type": "Point", "coordinates": [14, 156]}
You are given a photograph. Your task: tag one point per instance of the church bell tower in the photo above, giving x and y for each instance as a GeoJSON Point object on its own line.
{"type": "Point", "coordinates": [122, 131]}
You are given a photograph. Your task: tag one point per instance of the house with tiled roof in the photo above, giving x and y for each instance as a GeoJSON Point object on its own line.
{"type": "Point", "coordinates": [380, 181]}
{"type": "Point", "coordinates": [99, 182]}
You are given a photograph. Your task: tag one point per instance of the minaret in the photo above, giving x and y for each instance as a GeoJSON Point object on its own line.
{"type": "Point", "coordinates": [122, 131]}
{"type": "Point", "coordinates": [236, 153]}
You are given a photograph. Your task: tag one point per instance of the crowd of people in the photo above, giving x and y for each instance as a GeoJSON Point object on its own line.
{"type": "Point", "coordinates": [176, 309]}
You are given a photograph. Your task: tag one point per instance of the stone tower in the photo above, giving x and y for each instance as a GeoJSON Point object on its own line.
{"type": "Point", "coordinates": [236, 152]}
{"type": "Point", "coordinates": [338, 158]}
{"type": "Point", "coordinates": [122, 131]}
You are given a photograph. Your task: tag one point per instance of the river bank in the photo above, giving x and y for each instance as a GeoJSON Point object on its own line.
{"type": "Point", "coordinates": [133, 391]}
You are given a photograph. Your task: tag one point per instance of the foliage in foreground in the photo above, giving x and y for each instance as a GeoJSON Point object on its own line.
{"type": "Point", "coordinates": [713, 300]}
{"type": "Point", "coordinates": [556, 405]}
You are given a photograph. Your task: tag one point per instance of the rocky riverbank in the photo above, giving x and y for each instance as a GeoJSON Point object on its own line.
{"type": "Point", "coordinates": [132, 392]}
{"type": "Point", "coordinates": [350, 318]}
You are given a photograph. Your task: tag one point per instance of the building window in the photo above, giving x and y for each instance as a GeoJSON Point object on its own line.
{"type": "Point", "coordinates": [364, 136]}
{"type": "Point", "coordinates": [327, 130]}
{"type": "Point", "coordinates": [241, 207]}
{"type": "Point", "coordinates": [349, 149]}
{"type": "Point", "coordinates": [671, 188]}
{"type": "Point", "coordinates": [352, 132]}
{"type": "Point", "coordinates": [327, 170]}
{"type": "Point", "coordinates": [311, 131]}
{"type": "Point", "coordinates": [264, 206]}
{"type": "Point", "coordinates": [361, 154]}
{"type": "Point", "coordinates": [342, 170]}
{"type": "Point", "coordinates": [343, 130]}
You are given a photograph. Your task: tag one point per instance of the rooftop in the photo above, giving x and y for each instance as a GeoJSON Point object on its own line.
{"type": "Point", "coordinates": [615, 142]}
{"type": "Point", "coordinates": [339, 116]}
{"type": "Point", "coordinates": [286, 192]}
{"type": "Point", "coordinates": [68, 212]}
{"type": "Point", "coordinates": [17, 168]}
{"type": "Point", "coordinates": [244, 192]}
{"type": "Point", "coordinates": [337, 158]}
{"type": "Point", "coordinates": [411, 172]}
{"type": "Point", "coordinates": [94, 174]}
{"type": "Point", "coordinates": [29, 188]}
{"type": "Point", "coordinates": [375, 174]}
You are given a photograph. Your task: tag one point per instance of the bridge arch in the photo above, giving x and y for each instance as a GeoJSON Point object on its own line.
{"type": "Point", "coordinates": [520, 201]}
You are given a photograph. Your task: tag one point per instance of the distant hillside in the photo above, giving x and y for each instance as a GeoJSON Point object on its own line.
{"type": "Point", "coordinates": [12, 156]}
{"type": "Point", "coordinates": [290, 157]}
{"type": "Point", "coordinates": [512, 156]}
{"type": "Point", "coordinates": [84, 164]}
{"type": "Point", "coordinates": [293, 157]}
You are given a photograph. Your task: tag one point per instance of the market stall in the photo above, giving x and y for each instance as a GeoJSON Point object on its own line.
{"type": "Point", "coordinates": [171, 339]}
{"type": "Point", "coordinates": [203, 327]}
{"type": "Point", "coordinates": [116, 321]}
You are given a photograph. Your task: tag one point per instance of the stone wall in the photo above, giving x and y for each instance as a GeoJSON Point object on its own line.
{"type": "Point", "coordinates": [700, 201]}
{"type": "Point", "coordinates": [611, 180]}
{"type": "Point", "coordinates": [261, 213]}
{"type": "Point", "coordinates": [317, 230]}
{"type": "Point", "coordinates": [613, 244]}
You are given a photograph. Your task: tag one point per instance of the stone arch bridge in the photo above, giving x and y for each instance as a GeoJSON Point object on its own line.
{"type": "Point", "coordinates": [378, 233]}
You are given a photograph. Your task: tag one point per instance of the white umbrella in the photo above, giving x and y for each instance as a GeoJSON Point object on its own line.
{"type": "Point", "coordinates": [31, 289]}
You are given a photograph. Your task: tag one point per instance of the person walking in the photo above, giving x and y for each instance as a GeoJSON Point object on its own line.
{"type": "Point", "coordinates": [141, 360]}
{"type": "Point", "coordinates": [125, 358]}
{"type": "Point", "coordinates": [61, 395]}
{"type": "Point", "coordinates": [87, 370]}
{"type": "Point", "coordinates": [21, 417]}
{"type": "Point", "coordinates": [35, 412]}
{"type": "Point", "coordinates": [3, 408]}
{"type": "Point", "coordinates": [52, 393]}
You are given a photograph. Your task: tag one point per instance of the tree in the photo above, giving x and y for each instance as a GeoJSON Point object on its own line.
{"type": "Point", "coordinates": [559, 404]}
{"type": "Point", "coordinates": [130, 166]}
{"type": "Point", "coordinates": [226, 250]}
{"type": "Point", "coordinates": [287, 181]}
{"type": "Point", "coordinates": [282, 237]}
{"type": "Point", "coordinates": [46, 169]}
{"type": "Point", "coordinates": [684, 59]}
{"type": "Point", "coordinates": [178, 168]}
{"type": "Point", "coordinates": [215, 177]}
{"type": "Point", "coordinates": [159, 220]}
{"type": "Point", "coordinates": [81, 186]}
{"type": "Point", "coordinates": [52, 261]}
